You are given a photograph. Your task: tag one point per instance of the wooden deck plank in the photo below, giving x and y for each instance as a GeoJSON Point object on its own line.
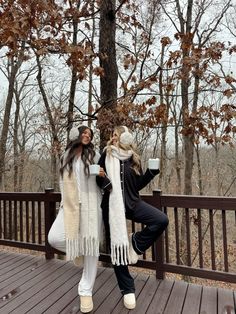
{"type": "Point", "coordinates": [110, 301]}
{"type": "Point", "coordinates": [72, 296]}
{"type": "Point", "coordinates": [5, 288]}
{"type": "Point", "coordinates": [235, 300]}
{"type": "Point", "coordinates": [33, 285]}
{"type": "Point", "coordinates": [102, 278]}
{"type": "Point", "coordinates": [20, 271]}
{"type": "Point", "coordinates": [147, 294]}
{"type": "Point", "coordinates": [193, 299]}
{"type": "Point", "coordinates": [26, 284]}
{"type": "Point", "coordinates": [38, 288]}
{"type": "Point", "coordinates": [226, 301]}
{"type": "Point", "coordinates": [209, 301]}
{"type": "Point", "coordinates": [7, 259]}
{"type": "Point", "coordinates": [159, 302]}
{"type": "Point", "coordinates": [52, 292]}
{"type": "Point", "coordinates": [12, 264]}
{"type": "Point", "coordinates": [176, 298]}
{"type": "Point", "coordinates": [14, 267]}
{"type": "Point", "coordinates": [5, 253]}
{"type": "Point", "coordinates": [33, 271]}
{"type": "Point", "coordinates": [140, 281]}
{"type": "Point", "coordinates": [103, 293]}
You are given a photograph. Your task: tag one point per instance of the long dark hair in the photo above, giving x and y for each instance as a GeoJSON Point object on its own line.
{"type": "Point", "coordinates": [87, 154]}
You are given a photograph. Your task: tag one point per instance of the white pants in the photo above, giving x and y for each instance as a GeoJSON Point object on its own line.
{"type": "Point", "coordinates": [57, 239]}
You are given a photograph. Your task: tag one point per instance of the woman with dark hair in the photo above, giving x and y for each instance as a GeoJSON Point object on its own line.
{"type": "Point", "coordinates": [77, 228]}
{"type": "Point", "coordinates": [121, 201]}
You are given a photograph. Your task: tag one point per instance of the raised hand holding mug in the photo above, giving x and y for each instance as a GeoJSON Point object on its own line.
{"type": "Point", "coordinates": [94, 170]}
{"type": "Point", "coordinates": [154, 163]}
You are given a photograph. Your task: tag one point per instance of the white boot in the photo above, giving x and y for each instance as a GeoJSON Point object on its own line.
{"type": "Point", "coordinates": [129, 301]}
{"type": "Point", "coordinates": [86, 304]}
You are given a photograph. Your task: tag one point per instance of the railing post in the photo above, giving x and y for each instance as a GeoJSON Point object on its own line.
{"type": "Point", "coordinates": [50, 215]}
{"type": "Point", "coordinates": [159, 247]}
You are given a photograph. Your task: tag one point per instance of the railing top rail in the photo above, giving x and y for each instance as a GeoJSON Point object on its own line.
{"type": "Point", "coordinates": [171, 200]}
{"type": "Point", "coordinates": [193, 201]}
{"type": "Point", "coordinates": [30, 196]}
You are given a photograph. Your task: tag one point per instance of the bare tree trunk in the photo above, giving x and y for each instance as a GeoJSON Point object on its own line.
{"type": "Point", "coordinates": [164, 124]}
{"type": "Point", "coordinates": [14, 66]}
{"type": "Point", "coordinates": [90, 92]}
{"type": "Point", "coordinates": [188, 159]}
{"type": "Point", "coordinates": [188, 137]}
{"type": "Point", "coordinates": [74, 79]}
{"type": "Point", "coordinates": [177, 162]}
{"type": "Point", "coordinates": [107, 117]}
{"type": "Point", "coordinates": [15, 145]}
{"type": "Point", "coordinates": [185, 29]}
{"type": "Point", "coordinates": [55, 141]}
{"type": "Point", "coordinates": [199, 171]}
{"type": "Point", "coordinates": [21, 168]}
{"type": "Point", "coordinates": [70, 115]}
{"type": "Point", "coordinates": [194, 110]}
{"type": "Point", "coordinates": [218, 170]}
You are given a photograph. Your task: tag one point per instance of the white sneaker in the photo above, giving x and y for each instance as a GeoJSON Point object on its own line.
{"type": "Point", "coordinates": [133, 256]}
{"type": "Point", "coordinates": [129, 301]}
{"type": "Point", "coordinates": [86, 304]}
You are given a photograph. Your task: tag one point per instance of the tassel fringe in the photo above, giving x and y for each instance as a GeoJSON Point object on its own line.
{"type": "Point", "coordinates": [79, 247]}
{"type": "Point", "coordinates": [119, 254]}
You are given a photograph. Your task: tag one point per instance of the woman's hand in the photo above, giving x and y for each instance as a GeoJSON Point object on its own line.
{"type": "Point", "coordinates": [102, 173]}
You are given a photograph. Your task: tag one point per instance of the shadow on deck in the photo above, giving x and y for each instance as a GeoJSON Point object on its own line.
{"type": "Point", "coordinates": [32, 284]}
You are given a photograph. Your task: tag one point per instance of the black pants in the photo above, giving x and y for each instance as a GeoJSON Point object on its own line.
{"type": "Point", "coordinates": [156, 222]}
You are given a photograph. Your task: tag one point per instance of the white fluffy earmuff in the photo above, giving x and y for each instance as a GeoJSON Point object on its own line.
{"type": "Point", "coordinates": [126, 137]}
{"type": "Point", "coordinates": [74, 133]}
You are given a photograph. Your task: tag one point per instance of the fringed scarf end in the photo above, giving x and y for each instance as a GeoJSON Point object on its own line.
{"type": "Point", "coordinates": [79, 247]}
{"type": "Point", "coordinates": [119, 254]}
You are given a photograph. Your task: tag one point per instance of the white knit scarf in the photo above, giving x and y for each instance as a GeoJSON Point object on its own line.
{"type": "Point", "coordinates": [117, 220]}
{"type": "Point", "coordinates": [82, 212]}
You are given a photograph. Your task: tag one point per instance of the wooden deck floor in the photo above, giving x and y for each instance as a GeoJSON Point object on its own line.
{"type": "Point", "coordinates": [30, 284]}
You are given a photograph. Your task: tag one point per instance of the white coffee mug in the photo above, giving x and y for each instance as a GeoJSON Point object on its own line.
{"type": "Point", "coordinates": [94, 169]}
{"type": "Point", "coordinates": [154, 163]}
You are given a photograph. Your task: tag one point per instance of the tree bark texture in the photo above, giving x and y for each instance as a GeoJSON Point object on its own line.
{"type": "Point", "coordinates": [6, 120]}
{"type": "Point", "coordinates": [107, 117]}
{"type": "Point", "coordinates": [15, 144]}
{"type": "Point", "coordinates": [74, 79]}
{"type": "Point", "coordinates": [54, 136]}
{"type": "Point", "coordinates": [185, 28]}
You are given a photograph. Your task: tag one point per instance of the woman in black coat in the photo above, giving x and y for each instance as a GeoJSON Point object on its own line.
{"type": "Point", "coordinates": [121, 185]}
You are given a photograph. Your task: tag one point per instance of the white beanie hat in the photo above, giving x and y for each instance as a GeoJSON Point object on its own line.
{"type": "Point", "coordinates": [126, 137]}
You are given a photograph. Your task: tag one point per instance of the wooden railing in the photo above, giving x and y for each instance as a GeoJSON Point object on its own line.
{"type": "Point", "coordinates": [200, 240]}
{"type": "Point", "coordinates": [26, 218]}
{"type": "Point", "coordinates": [201, 237]}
